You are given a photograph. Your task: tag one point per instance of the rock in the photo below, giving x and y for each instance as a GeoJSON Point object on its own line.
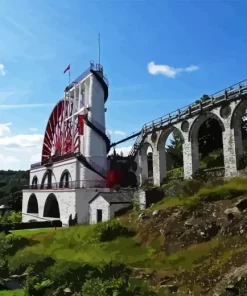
{"type": "Point", "coordinates": [171, 288]}
{"type": "Point", "coordinates": [232, 213]}
{"type": "Point", "coordinates": [241, 205]}
{"type": "Point", "coordinates": [155, 213]}
{"type": "Point", "coordinates": [142, 217]}
{"type": "Point", "coordinates": [67, 290]}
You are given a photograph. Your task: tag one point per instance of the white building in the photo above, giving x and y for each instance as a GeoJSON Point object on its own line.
{"type": "Point", "coordinates": [104, 205]}
{"type": "Point", "coordinates": [74, 156]}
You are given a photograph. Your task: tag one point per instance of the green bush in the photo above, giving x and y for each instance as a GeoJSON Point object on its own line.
{"type": "Point", "coordinates": [183, 188]}
{"type": "Point", "coordinates": [11, 217]}
{"type": "Point", "coordinates": [108, 231]}
{"type": "Point", "coordinates": [35, 263]}
{"type": "Point", "coordinates": [175, 173]}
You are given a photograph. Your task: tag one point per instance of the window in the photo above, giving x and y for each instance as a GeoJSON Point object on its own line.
{"type": "Point", "coordinates": [99, 216]}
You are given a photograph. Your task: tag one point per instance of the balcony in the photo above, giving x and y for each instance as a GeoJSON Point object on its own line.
{"type": "Point", "coordinates": [67, 185]}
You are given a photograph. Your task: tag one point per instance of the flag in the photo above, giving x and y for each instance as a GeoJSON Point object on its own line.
{"type": "Point", "coordinates": [68, 68]}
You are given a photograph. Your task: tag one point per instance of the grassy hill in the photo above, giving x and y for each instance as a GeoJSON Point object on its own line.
{"type": "Point", "coordinates": [193, 242]}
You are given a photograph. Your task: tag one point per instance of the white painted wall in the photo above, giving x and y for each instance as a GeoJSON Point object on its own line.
{"type": "Point", "coordinates": [101, 204]}
{"type": "Point", "coordinates": [66, 200]}
{"type": "Point", "coordinates": [57, 169]}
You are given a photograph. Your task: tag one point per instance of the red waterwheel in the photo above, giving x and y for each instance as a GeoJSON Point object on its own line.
{"type": "Point", "coordinates": [58, 134]}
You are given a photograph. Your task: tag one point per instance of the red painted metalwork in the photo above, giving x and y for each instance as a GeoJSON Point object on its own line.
{"type": "Point", "coordinates": [114, 178]}
{"type": "Point", "coordinates": [81, 124]}
{"type": "Point", "coordinates": [58, 134]}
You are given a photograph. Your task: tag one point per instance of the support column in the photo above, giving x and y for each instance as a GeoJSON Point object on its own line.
{"type": "Point", "coordinates": [159, 166]}
{"type": "Point", "coordinates": [143, 165]}
{"type": "Point", "coordinates": [190, 158]}
{"type": "Point", "coordinates": [233, 149]}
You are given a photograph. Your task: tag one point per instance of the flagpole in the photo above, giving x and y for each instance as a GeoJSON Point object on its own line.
{"type": "Point", "coordinates": [99, 46]}
{"type": "Point", "coordinates": [69, 75]}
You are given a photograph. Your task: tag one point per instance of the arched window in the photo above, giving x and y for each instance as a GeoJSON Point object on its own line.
{"type": "Point", "coordinates": [32, 206]}
{"type": "Point", "coordinates": [65, 181]}
{"type": "Point", "coordinates": [48, 180]}
{"type": "Point", "coordinates": [51, 208]}
{"type": "Point", "coordinates": [35, 182]}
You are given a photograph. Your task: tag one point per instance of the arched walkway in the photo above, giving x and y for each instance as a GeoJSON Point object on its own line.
{"type": "Point", "coordinates": [32, 206]}
{"type": "Point", "coordinates": [35, 182]}
{"type": "Point", "coordinates": [51, 208]}
{"type": "Point", "coordinates": [65, 180]}
{"type": "Point", "coordinates": [48, 180]}
{"type": "Point", "coordinates": [204, 121]}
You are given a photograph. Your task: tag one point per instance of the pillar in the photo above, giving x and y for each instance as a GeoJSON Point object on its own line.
{"type": "Point", "coordinates": [190, 158]}
{"type": "Point", "coordinates": [143, 165]}
{"type": "Point", "coordinates": [159, 165]}
{"type": "Point", "coordinates": [232, 147]}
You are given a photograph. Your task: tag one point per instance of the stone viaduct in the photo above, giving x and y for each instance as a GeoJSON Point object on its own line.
{"type": "Point", "coordinates": [227, 107]}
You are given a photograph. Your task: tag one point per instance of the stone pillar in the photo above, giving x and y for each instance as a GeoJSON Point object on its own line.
{"type": "Point", "coordinates": [190, 158]}
{"type": "Point", "coordinates": [159, 165]}
{"type": "Point", "coordinates": [143, 165]}
{"type": "Point", "coordinates": [232, 147]}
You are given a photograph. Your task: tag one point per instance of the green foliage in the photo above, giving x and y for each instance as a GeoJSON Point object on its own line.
{"type": "Point", "coordinates": [11, 217]}
{"type": "Point", "coordinates": [183, 188]}
{"type": "Point", "coordinates": [110, 230]}
{"type": "Point", "coordinates": [113, 287]}
{"type": "Point", "coordinates": [175, 173]}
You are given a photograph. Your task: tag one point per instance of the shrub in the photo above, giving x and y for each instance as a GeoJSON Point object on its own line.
{"type": "Point", "coordinates": [16, 243]}
{"type": "Point", "coordinates": [110, 230]}
{"type": "Point", "coordinates": [176, 173]}
{"type": "Point", "coordinates": [183, 188]}
{"type": "Point", "coordinates": [73, 274]}
{"type": "Point", "coordinates": [35, 263]}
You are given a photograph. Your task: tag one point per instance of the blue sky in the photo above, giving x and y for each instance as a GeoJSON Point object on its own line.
{"type": "Point", "coordinates": [38, 39]}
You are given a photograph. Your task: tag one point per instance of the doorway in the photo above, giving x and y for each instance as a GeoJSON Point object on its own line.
{"type": "Point", "coordinates": [99, 216]}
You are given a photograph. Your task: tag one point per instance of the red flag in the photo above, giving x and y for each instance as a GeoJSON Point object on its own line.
{"type": "Point", "coordinates": [68, 68]}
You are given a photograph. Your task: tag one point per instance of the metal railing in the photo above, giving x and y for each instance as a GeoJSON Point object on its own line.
{"type": "Point", "coordinates": [67, 185]}
{"type": "Point", "coordinates": [227, 94]}
{"type": "Point", "coordinates": [97, 67]}
{"type": "Point", "coordinates": [52, 159]}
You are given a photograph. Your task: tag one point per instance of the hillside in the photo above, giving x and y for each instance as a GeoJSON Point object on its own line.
{"type": "Point", "coordinates": [11, 184]}
{"type": "Point", "coordinates": [194, 244]}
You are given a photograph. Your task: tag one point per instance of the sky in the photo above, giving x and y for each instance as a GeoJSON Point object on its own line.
{"type": "Point", "coordinates": [158, 56]}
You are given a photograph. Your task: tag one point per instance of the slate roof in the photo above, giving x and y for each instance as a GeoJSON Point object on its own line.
{"type": "Point", "coordinates": [114, 197]}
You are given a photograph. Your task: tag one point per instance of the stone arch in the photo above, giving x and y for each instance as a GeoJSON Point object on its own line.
{"type": "Point", "coordinates": [236, 126]}
{"type": "Point", "coordinates": [48, 180]}
{"type": "Point", "coordinates": [145, 162]}
{"type": "Point", "coordinates": [162, 161]}
{"type": "Point", "coordinates": [166, 133]}
{"type": "Point", "coordinates": [238, 113]}
{"type": "Point", "coordinates": [32, 206]}
{"type": "Point", "coordinates": [194, 129]}
{"type": "Point", "coordinates": [65, 180]}
{"type": "Point", "coordinates": [51, 208]}
{"type": "Point", "coordinates": [35, 182]}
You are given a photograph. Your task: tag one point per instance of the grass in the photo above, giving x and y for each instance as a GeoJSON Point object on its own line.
{"type": "Point", "coordinates": [32, 232]}
{"type": "Point", "coordinates": [80, 243]}
{"type": "Point", "coordinates": [12, 293]}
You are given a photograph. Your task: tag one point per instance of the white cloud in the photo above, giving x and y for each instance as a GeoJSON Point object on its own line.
{"type": "Point", "coordinates": [4, 128]}
{"type": "Point", "coordinates": [35, 158]}
{"type": "Point", "coordinates": [9, 162]}
{"type": "Point", "coordinates": [125, 150]}
{"type": "Point", "coordinates": [168, 71]}
{"type": "Point", "coordinates": [33, 129]}
{"type": "Point", "coordinates": [24, 106]}
{"type": "Point", "coordinates": [2, 70]}
{"type": "Point", "coordinates": [117, 132]}
{"type": "Point", "coordinates": [22, 141]}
